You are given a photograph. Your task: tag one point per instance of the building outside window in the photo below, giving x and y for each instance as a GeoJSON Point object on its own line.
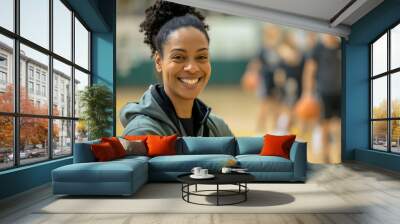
{"type": "Point", "coordinates": [34, 75]}
{"type": "Point", "coordinates": [385, 91]}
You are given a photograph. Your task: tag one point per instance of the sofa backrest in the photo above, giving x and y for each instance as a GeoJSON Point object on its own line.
{"type": "Point", "coordinates": [192, 146]}
{"type": "Point", "coordinates": [249, 145]}
{"type": "Point", "coordinates": [83, 152]}
{"type": "Point", "coordinates": [253, 145]}
{"type": "Point", "coordinates": [206, 145]}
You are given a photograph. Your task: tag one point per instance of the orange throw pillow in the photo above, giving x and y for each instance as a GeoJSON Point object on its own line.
{"type": "Point", "coordinates": [161, 145]}
{"type": "Point", "coordinates": [103, 152]}
{"type": "Point", "coordinates": [116, 145]}
{"type": "Point", "coordinates": [277, 145]}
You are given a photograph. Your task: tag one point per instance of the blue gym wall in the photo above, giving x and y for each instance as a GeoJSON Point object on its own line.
{"type": "Point", "coordinates": [99, 16]}
{"type": "Point", "coordinates": [356, 86]}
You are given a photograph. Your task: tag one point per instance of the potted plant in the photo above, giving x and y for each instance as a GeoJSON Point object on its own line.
{"type": "Point", "coordinates": [96, 103]}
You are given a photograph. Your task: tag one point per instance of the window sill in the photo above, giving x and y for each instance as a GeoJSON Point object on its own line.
{"type": "Point", "coordinates": [382, 159]}
{"type": "Point", "coordinates": [26, 167]}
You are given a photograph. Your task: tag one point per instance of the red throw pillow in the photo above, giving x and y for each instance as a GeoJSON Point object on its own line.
{"type": "Point", "coordinates": [103, 152]}
{"type": "Point", "coordinates": [161, 145]}
{"type": "Point", "coordinates": [277, 145]}
{"type": "Point", "coordinates": [116, 145]}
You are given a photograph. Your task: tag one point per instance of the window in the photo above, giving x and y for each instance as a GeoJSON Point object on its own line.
{"type": "Point", "coordinates": [41, 83]}
{"type": "Point", "coordinates": [3, 72]}
{"type": "Point", "coordinates": [81, 45]}
{"type": "Point", "coordinates": [62, 74]}
{"type": "Point", "coordinates": [37, 74]}
{"type": "Point", "coordinates": [62, 129]}
{"type": "Point", "coordinates": [34, 25]}
{"type": "Point", "coordinates": [30, 72]}
{"type": "Point", "coordinates": [7, 84]}
{"type": "Point", "coordinates": [81, 81]}
{"type": "Point", "coordinates": [44, 91]}
{"type": "Point", "coordinates": [7, 14]}
{"type": "Point", "coordinates": [3, 78]}
{"type": "Point", "coordinates": [385, 94]}
{"type": "Point", "coordinates": [38, 89]}
{"type": "Point", "coordinates": [3, 61]}
{"type": "Point", "coordinates": [43, 77]}
{"type": "Point", "coordinates": [30, 87]}
{"type": "Point", "coordinates": [62, 30]}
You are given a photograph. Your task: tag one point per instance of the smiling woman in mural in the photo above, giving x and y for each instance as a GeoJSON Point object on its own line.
{"type": "Point", "coordinates": [179, 42]}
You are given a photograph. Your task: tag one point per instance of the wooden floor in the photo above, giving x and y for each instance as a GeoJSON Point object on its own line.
{"type": "Point", "coordinates": [377, 188]}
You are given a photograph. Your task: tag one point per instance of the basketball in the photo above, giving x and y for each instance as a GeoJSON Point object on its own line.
{"type": "Point", "coordinates": [250, 81]}
{"type": "Point", "coordinates": [307, 108]}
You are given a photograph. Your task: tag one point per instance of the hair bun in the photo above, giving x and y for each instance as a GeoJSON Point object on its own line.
{"type": "Point", "coordinates": [160, 13]}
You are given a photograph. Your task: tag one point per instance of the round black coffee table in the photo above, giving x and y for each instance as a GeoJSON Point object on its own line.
{"type": "Point", "coordinates": [238, 179]}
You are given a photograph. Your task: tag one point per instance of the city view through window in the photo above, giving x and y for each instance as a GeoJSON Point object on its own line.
{"type": "Point", "coordinates": [39, 113]}
{"type": "Point", "coordinates": [385, 82]}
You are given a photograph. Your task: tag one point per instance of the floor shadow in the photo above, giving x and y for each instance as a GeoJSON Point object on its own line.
{"type": "Point", "coordinates": [255, 198]}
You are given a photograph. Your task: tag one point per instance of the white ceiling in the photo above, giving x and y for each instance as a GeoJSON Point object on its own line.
{"type": "Point", "coordinates": [324, 16]}
{"type": "Point", "coordinates": [321, 9]}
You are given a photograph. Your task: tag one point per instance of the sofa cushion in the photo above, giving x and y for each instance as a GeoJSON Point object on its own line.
{"type": "Point", "coordinates": [132, 159]}
{"type": "Point", "coordinates": [185, 163]}
{"type": "Point", "coordinates": [249, 145]}
{"type": "Point", "coordinates": [95, 172]}
{"type": "Point", "coordinates": [257, 163]}
{"type": "Point", "coordinates": [206, 145]}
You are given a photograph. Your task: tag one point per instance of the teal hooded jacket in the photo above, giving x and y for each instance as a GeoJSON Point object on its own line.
{"type": "Point", "coordinates": [155, 115]}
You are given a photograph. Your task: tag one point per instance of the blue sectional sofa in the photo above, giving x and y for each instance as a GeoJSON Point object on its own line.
{"type": "Point", "coordinates": [125, 176]}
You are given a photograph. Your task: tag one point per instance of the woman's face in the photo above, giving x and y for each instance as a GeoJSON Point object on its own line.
{"type": "Point", "coordinates": [185, 64]}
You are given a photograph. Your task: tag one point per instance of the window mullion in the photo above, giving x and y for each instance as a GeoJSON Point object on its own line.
{"type": "Point", "coordinates": [389, 76]}
{"type": "Point", "coordinates": [73, 83]}
{"type": "Point", "coordinates": [371, 145]}
{"type": "Point", "coordinates": [50, 87]}
{"type": "Point", "coordinates": [16, 84]}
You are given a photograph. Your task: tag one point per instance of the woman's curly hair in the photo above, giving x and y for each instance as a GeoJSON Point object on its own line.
{"type": "Point", "coordinates": [164, 17]}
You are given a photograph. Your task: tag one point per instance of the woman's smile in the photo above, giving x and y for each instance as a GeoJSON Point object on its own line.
{"type": "Point", "coordinates": [190, 83]}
